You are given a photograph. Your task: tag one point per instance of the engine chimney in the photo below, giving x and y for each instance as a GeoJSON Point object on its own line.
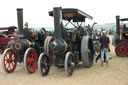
{"type": "Point", "coordinates": [57, 12]}
{"type": "Point", "coordinates": [118, 25]}
{"type": "Point", "coordinates": [20, 22]}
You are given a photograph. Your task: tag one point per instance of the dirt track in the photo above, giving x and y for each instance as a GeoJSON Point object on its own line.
{"type": "Point", "coordinates": [114, 74]}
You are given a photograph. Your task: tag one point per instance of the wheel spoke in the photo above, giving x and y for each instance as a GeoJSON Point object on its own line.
{"type": "Point", "coordinates": [10, 54]}
{"type": "Point", "coordinates": [32, 55]}
{"type": "Point", "coordinates": [33, 62]}
{"type": "Point", "coordinates": [6, 55]}
{"type": "Point", "coordinates": [5, 63]}
{"type": "Point", "coordinates": [8, 65]}
{"type": "Point", "coordinates": [6, 60]}
{"type": "Point", "coordinates": [28, 60]}
{"type": "Point", "coordinates": [29, 66]}
{"type": "Point", "coordinates": [11, 66]}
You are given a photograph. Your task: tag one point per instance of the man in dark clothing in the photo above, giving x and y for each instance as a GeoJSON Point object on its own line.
{"type": "Point", "coordinates": [104, 46]}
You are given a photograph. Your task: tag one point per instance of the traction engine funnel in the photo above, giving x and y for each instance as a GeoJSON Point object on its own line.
{"type": "Point", "coordinates": [118, 25]}
{"type": "Point", "coordinates": [57, 21]}
{"type": "Point", "coordinates": [20, 21]}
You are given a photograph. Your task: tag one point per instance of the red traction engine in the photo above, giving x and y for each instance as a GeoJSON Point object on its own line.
{"type": "Point", "coordinates": [121, 37]}
{"type": "Point", "coordinates": [7, 35]}
{"type": "Point", "coordinates": [26, 49]}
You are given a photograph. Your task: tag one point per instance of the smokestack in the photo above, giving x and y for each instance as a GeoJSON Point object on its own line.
{"type": "Point", "coordinates": [57, 12]}
{"type": "Point", "coordinates": [118, 24]}
{"type": "Point", "coordinates": [20, 21]}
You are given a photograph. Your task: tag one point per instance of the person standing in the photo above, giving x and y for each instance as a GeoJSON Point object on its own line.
{"type": "Point", "coordinates": [105, 48]}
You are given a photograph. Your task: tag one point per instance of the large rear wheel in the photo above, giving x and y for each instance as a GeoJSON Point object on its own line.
{"type": "Point", "coordinates": [9, 60]}
{"type": "Point", "coordinates": [30, 60]}
{"type": "Point", "coordinates": [43, 64]}
{"type": "Point", "coordinates": [121, 49]}
{"type": "Point", "coordinates": [87, 51]}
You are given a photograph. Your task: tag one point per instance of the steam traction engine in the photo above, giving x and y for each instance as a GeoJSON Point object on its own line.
{"type": "Point", "coordinates": [68, 46]}
{"type": "Point", "coordinates": [121, 37]}
{"type": "Point", "coordinates": [7, 34]}
{"type": "Point", "coordinates": [26, 49]}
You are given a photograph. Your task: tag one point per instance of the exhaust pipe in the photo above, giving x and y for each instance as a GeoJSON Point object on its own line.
{"type": "Point", "coordinates": [118, 25]}
{"type": "Point", "coordinates": [57, 12]}
{"type": "Point", "coordinates": [20, 22]}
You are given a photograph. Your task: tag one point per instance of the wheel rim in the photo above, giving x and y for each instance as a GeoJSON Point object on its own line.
{"type": "Point", "coordinates": [48, 42]}
{"type": "Point", "coordinates": [122, 50]}
{"type": "Point", "coordinates": [9, 60]}
{"type": "Point", "coordinates": [44, 65]}
{"type": "Point", "coordinates": [70, 66]}
{"type": "Point", "coordinates": [31, 60]}
{"type": "Point", "coordinates": [69, 63]}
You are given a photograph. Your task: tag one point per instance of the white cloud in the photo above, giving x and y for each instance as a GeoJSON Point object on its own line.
{"type": "Point", "coordinates": [36, 11]}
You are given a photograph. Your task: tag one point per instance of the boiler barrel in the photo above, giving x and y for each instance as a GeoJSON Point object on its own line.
{"type": "Point", "coordinates": [20, 46]}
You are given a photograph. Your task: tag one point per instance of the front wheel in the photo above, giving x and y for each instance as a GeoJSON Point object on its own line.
{"type": "Point", "coordinates": [68, 65]}
{"type": "Point", "coordinates": [9, 60]}
{"type": "Point", "coordinates": [43, 64]}
{"type": "Point", "coordinates": [30, 60]}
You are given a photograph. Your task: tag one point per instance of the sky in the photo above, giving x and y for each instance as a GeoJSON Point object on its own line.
{"type": "Point", "coordinates": [35, 12]}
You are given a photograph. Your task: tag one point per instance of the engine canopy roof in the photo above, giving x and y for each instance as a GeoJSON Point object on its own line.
{"type": "Point", "coordinates": [72, 13]}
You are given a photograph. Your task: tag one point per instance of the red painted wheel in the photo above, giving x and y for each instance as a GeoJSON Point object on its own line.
{"type": "Point", "coordinates": [30, 60]}
{"type": "Point", "coordinates": [122, 49]}
{"type": "Point", "coordinates": [9, 60]}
